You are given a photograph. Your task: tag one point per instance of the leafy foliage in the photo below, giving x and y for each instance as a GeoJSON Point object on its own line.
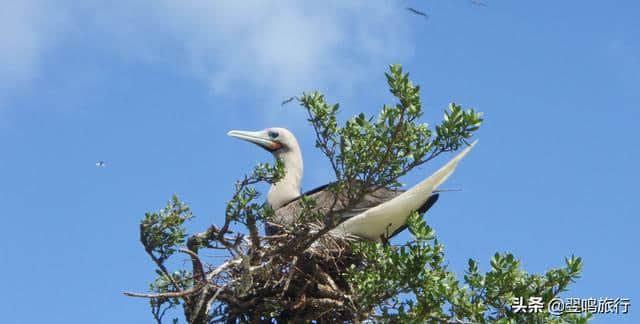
{"type": "Point", "coordinates": [284, 278]}
{"type": "Point", "coordinates": [379, 152]}
{"type": "Point", "coordinates": [162, 232]}
{"type": "Point", "coordinates": [243, 206]}
{"type": "Point", "coordinates": [430, 292]}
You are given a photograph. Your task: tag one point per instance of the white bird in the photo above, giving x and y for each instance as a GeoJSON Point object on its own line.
{"type": "Point", "coordinates": [378, 213]}
{"type": "Point", "coordinates": [101, 164]}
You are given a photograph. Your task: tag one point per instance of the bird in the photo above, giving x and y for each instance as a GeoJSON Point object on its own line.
{"type": "Point", "coordinates": [379, 215]}
{"type": "Point", "coordinates": [101, 164]}
{"type": "Point", "coordinates": [418, 12]}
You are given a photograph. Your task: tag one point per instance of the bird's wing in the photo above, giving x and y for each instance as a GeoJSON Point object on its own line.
{"type": "Point", "coordinates": [324, 199]}
{"type": "Point", "coordinates": [392, 214]}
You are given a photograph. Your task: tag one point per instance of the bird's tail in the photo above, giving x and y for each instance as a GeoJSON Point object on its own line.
{"type": "Point", "coordinates": [428, 185]}
{"type": "Point", "coordinates": [391, 215]}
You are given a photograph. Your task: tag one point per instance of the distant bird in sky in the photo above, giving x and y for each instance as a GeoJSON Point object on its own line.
{"type": "Point", "coordinates": [101, 164]}
{"type": "Point", "coordinates": [418, 12]}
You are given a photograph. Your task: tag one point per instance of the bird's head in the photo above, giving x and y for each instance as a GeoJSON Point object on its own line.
{"type": "Point", "coordinates": [276, 140]}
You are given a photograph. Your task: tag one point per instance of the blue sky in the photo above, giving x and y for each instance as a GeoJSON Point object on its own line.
{"type": "Point", "coordinates": [153, 90]}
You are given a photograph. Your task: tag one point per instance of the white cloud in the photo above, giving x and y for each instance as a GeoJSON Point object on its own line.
{"type": "Point", "coordinates": [19, 41]}
{"type": "Point", "coordinates": [277, 46]}
{"type": "Point", "coordinates": [27, 29]}
{"type": "Point", "coordinates": [236, 47]}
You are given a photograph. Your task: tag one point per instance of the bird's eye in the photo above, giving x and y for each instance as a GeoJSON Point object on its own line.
{"type": "Point", "coordinates": [273, 135]}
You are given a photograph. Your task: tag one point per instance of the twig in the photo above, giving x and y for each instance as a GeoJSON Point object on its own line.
{"type": "Point", "coordinates": [288, 101]}
{"type": "Point", "coordinates": [171, 294]}
{"type": "Point", "coordinates": [292, 271]}
{"type": "Point", "coordinates": [253, 230]}
{"type": "Point", "coordinates": [158, 262]}
{"type": "Point", "coordinates": [222, 267]}
{"type": "Point", "coordinates": [198, 270]}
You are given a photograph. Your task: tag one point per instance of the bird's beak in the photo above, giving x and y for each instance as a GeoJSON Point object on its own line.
{"type": "Point", "coordinates": [260, 138]}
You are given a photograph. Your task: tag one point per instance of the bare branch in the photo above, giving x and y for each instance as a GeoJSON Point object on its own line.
{"type": "Point", "coordinates": [170, 294]}
{"type": "Point", "coordinates": [198, 270]}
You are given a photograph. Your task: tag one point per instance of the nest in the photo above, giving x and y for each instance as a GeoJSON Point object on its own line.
{"type": "Point", "coordinates": [286, 280]}
{"type": "Point", "coordinates": [295, 276]}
